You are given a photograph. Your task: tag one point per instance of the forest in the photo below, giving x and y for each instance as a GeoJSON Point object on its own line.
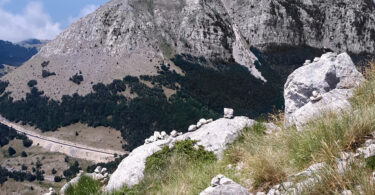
{"type": "Point", "coordinates": [202, 92]}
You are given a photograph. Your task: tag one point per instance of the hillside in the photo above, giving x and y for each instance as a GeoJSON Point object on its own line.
{"type": "Point", "coordinates": [327, 149]}
{"type": "Point", "coordinates": [138, 65]}
{"type": "Point", "coordinates": [13, 54]}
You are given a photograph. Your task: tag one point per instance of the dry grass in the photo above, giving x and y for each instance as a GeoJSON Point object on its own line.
{"type": "Point", "coordinates": [265, 160]}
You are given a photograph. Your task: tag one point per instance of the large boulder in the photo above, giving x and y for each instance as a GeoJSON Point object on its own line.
{"type": "Point", "coordinates": [326, 84]}
{"type": "Point", "coordinates": [214, 136]}
{"type": "Point", "coordinates": [224, 186]}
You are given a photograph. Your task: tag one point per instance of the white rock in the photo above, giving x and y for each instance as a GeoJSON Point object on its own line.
{"type": "Point", "coordinates": [222, 185]}
{"type": "Point", "coordinates": [260, 193]}
{"type": "Point", "coordinates": [199, 125]}
{"type": "Point", "coordinates": [203, 121]}
{"type": "Point", "coordinates": [332, 77]}
{"type": "Point", "coordinates": [152, 139]}
{"type": "Point", "coordinates": [174, 133]}
{"type": "Point", "coordinates": [157, 135]}
{"type": "Point", "coordinates": [213, 137]}
{"type": "Point", "coordinates": [228, 113]}
{"type": "Point", "coordinates": [163, 134]}
{"type": "Point", "coordinates": [104, 170]}
{"type": "Point", "coordinates": [316, 59]}
{"type": "Point", "coordinates": [368, 151]}
{"type": "Point", "coordinates": [210, 120]}
{"type": "Point", "coordinates": [273, 192]}
{"type": "Point", "coordinates": [346, 192]}
{"type": "Point", "coordinates": [192, 128]}
{"type": "Point", "coordinates": [98, 169]}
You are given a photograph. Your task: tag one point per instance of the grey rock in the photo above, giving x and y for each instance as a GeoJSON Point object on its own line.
{"type": "Point", "coordinates": [346, 192]}
{"type": "Point", "coordinates": [324, 85]}
{"type": "Point", "coordinates": [174, 133]}
{"type": "Point", "coordinates": [214, 137]}
{"type": "Point", "coordinates": [129, 31]}
{"type": "Point", "coordinates": [228, 113]}
{"type": "Point", "coordinates": [224, 186]}
{"type": "Point", "coordinates": [192, 128]}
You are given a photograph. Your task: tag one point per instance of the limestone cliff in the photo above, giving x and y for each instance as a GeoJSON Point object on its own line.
{"type": "Point", "coordinates": [132, 37]}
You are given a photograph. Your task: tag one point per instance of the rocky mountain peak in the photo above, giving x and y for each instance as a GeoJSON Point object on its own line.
{"type": "Point", "coordinates": [132, 37]}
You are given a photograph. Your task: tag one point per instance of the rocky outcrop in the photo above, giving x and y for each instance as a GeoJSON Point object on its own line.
{"type": "Point", "coordinates": [224, 186]}
{"type": "Point", "coordinates": [213, 136]}
{"type": "Point", "coordinates": [325, 84]}
{"type": "Point", "coordinates": [132, 37]}
{"type": "Point", "coordinates": [99, 174]}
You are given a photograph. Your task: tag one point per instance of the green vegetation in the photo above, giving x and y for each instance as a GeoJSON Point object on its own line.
{"type": "Point", "coordinates": [72, 171]}
{"type": "Point", "coordinates": [16, 175]}
{"type": "Point", "coordinates": [44, 64]}
{"type": "Point", "coordinates": [199, 94]}
{"type": "Point", "coordinates": [46, 73]}
{"type": "Point", "coordinates": [268, 159]}
{"type": "Point", "coordinates": [175, 167]}
{"type": "Point", "coordinates": [8, 133]}
{"type": "Point", "coordinates": [85, 186]}
{"type": "Point", "coordinates": [77, 79]}
{"type": "Point", "coordinates": [32, 83]}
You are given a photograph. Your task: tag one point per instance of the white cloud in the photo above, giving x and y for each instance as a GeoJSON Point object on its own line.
{"type": "Point", "coordinates": [33, 22]}
{"type": "Point", "coordinates": [88, 9]}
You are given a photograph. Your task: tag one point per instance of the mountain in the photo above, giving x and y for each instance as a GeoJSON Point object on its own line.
{"type": "Point", "coordinates": [13, 54]}
{"type": "Point", "coordinates": [141, 65]}
{"type": "Point", "coordinates": [33, 43]}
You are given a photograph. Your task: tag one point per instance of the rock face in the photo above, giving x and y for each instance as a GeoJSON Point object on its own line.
{"type": "Point", "coordinates": [224, 186]}
{"type": "Point", "coordinates": [325, 84]}
{"type": "Point", "coordinates": [131, 37]}
{"type": "Point", "coordinates": [214, 136]}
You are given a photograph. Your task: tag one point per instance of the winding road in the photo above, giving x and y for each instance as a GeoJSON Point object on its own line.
{"type": "Point", "coordinates": [69, 148]}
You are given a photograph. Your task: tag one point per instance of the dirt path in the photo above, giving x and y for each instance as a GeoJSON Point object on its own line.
{"type": "Point", "coordinates": [69, 148]}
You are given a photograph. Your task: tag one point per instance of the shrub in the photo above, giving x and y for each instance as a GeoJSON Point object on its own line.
{"type": "Point", "coordinates": [46, 73]}
{"type": "Point", "coordinates": [57, 179]}
{"type": "Point", "coordinates": [44, 63]}
{"type": "Point", "coordinates": [11, 151]}
{"type": "Point", "coordinates": [23, 154]}
{"type": "Point", "coordinates": [72, 171]}
{"type": "Point", "coordinates": [85, 186]}
{"type": "Point", "coordinates": [27, 142]}
{"type": "Point", "coordinates": [77, 79]}
{"type": "Point", "coordinates": [185, 149]}
{"type": "Point", "coordinates": [53, 171]}
{"type": "Point", "coordinates": [32, 83]}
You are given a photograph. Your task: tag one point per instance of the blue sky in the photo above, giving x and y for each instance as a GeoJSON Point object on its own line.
{"type": "Point", "coordinates": [42, 19]}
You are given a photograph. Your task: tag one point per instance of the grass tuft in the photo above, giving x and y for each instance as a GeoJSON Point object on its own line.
{"type": "Point", "coordinates": [85, 186]}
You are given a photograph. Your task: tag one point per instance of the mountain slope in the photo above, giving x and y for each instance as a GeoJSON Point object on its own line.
{"type": "Point", "coordinates": [131, 37]}
{"type": "Point", "coordinates": [13, 54]}
{"type": "Point", "coordinates": [137, 65]}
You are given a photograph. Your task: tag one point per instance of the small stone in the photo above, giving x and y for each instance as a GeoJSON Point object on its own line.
{"type": "Point", "coordinates": [174, 133]}
{"type": "Point", "coordinates": [260, 193]}
{"type": "Point", "coordinates": [98, 169]}
{"type": "Point", "coordinates": [228, 113]}
{"type": "Point", "coordinates": [157, 134]}
{"type": "Point", "coordinates": [152, 139]}
{"type": "Point", "coordinates": [203, 121]}
{"type": "Point", "coordinates": [192, 128]}
{"type": "Point", "coordinates": [104, 170]}
{"type": "Point", "coordinates": [163, 134]}
{"type": "Point", "coordinates": [316, 59]}
{"type": "Point", "coordinates": [210, 120]}
{"type": "Point", "coordinates": [346, 192]}
{"type": "Point", "coordinates": [273, 192]}
{"type": "Point", "coordinates": [199, 125]}
{"type": "Point", "coordinates": [216, 180]}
